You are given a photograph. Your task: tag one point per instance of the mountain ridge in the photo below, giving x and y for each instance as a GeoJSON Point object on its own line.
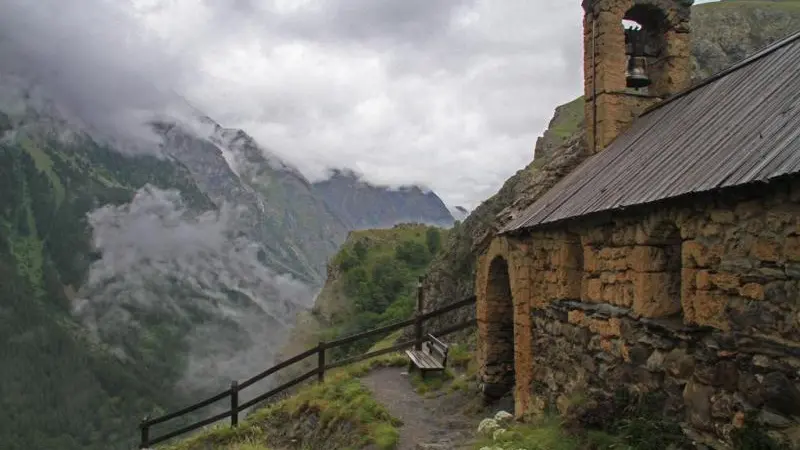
{"type": "Point", "coordinates": [364, 205]}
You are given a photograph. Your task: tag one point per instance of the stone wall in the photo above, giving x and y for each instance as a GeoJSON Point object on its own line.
{"type": "Point", "coordinates": [698, 299]}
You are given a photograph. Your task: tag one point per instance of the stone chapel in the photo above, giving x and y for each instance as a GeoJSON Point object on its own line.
{"type": "Point", "coordinates": [668, 261]}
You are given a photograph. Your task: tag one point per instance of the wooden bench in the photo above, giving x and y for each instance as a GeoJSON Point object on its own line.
{"type": "Point", "coordinates": [432, 357]}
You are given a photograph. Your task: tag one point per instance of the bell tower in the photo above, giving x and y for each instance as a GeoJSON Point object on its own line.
{"type": "Point", "coordinates": [636, 53]}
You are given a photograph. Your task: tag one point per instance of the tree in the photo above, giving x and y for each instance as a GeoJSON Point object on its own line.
{"type": "Point", "coordinates": [414, 254]}
{"type": "Point", "coordinates": [433, 239]}
{"type": "Point", "coordinates": [361, 250]}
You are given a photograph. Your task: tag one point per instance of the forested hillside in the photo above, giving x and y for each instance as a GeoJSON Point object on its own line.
{"type": "Point", "coordinates": [372, 281]}
{"type": "Point", "coordinates": [60, 388]}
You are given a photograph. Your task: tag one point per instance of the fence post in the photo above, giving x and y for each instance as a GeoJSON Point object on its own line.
{"type": "Point", "coordinates": [418, 317]}
{"type": "Point", "coordinates": [420, 303]}
{"type": "Point", "coordinates": [144, 428]}
{"type": "Point", "coordinates": [234, 403]}
{"type": "Point", "coordinates": [321, 361]}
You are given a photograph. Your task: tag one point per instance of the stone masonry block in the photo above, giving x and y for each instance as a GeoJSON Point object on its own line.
{"type": "Point", "coordinates": [694, 254]}
{"type": "Point", "coordinates": [766, 250]}
{"type": "Point", "coordinates": [754, 291]}
{"type": "Point", "coordinates": [706, 308]}
{"type": "Point", "coordinates": [590, 263]}
{"type": "Point", "coordinates": [723, 216]}
{"type": "Point", "coordinates": [594, 291]}
{"type": "Point", "coordinates": [702, 279]}
{"type": "Point", "coordinates": [648, 259]}
{"type": "Point", "coordinates": [725, 281]}
{"type": "Point", "coordinates": [791, 248]}
{"type": "Point", "coordinates": [652, 296]}
{"type": "Point", "coordinates": [606, 328]}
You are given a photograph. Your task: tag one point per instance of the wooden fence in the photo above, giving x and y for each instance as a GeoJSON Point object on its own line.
{"type": "Point", "coordinates": [233, 392]}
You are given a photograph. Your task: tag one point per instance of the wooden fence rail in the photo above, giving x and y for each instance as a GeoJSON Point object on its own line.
{"type": "Point", "coordinates": [233, 392]}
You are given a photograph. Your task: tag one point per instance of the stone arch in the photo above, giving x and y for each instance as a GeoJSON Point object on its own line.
{"type": "Point", "coordinates": [498, 362]}
{"type": "Point", "coordinates": [657, 266]}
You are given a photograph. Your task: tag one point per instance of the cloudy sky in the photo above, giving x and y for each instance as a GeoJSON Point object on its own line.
{"type": "Point", "coordinates": [447, 93]}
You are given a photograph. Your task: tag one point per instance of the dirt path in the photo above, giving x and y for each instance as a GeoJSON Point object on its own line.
{"type": "Point", "coordinates": [428, 423]}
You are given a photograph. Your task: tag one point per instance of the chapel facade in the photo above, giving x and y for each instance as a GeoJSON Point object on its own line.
{"type": "Point", "coordinates": [669, 261]}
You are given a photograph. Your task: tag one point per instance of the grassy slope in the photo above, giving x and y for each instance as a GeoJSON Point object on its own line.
{"type": "Point", "coordinates": [339, 413]}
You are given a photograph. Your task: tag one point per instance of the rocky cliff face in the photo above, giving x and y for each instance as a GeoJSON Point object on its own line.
{"type": "Point", "coordinates": [276, 206]}
{"type": "Point", "coordinates": [727, 31]}
{"type": "Point", "coordinates": [363, 205]}
{"type": "Point", "coordinates": [567, 120]}
{"type": "Point", "coordinates": [723, 33]}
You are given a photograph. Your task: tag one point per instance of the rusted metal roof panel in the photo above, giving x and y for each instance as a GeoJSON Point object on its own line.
{"type": "Point", "coordinates": [738, 127]}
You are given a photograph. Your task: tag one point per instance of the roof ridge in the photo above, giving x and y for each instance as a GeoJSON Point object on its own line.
{"type": "Point", "coordinates": [746, 61]}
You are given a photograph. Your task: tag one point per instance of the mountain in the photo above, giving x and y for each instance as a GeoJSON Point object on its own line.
{"type": "Point", "coordinates": [363, 205]}
{"type": "Point", "coordinates": [278, 206]}
{"type": "Point", "coordinates": [722, 33]}
{"type": "Point", "coordinates": [134, 279]}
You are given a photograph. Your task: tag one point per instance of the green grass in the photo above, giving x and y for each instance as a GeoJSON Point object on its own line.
{"type": "Point", "coordinates": [45, 165]}
{"type": "Point", "coordinates": [432, 382]}
{"type": "Point", "coordinates": [386, 342]}
{"type": "Point", "coordinates": [548, 433]}
{"type": "Point", "coordinates": [570, 117]}
{"type": "Point", "coordinates": [544, 434]}
{"type": "Point", "coordinates": [27, 252]}
{"type": "Point", "coordinates": [460, 356]}
{"type": "Point", "coordinates": [343, 413]}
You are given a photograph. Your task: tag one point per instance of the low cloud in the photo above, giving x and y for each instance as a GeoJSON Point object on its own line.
{"type": "Point", "coordinates": [190, 281]}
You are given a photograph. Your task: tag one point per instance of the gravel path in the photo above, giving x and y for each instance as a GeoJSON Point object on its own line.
{"type": "Point", "coordinates": [428, 423]}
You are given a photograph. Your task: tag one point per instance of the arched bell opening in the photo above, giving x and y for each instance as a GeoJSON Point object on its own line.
{"type": "Point", "coordinates": [645, 43]}
{"type": "Point", "coordinates": [498, 371]}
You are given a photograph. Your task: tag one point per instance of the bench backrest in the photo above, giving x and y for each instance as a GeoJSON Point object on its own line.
{"type": "Point", "coordinates": [436, 348]}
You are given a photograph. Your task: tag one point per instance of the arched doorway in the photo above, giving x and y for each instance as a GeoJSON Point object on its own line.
{"type": "Point", "coordinates": [498, 367]}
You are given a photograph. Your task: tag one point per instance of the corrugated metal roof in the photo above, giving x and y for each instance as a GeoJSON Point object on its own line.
{"type": "Point", "coordinates": [737, 127]}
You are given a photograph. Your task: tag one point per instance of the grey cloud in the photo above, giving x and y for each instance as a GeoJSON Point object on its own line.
{"type": "Point", "coordinates": [367, 22]}
{"type": "Point", "coordinates": [93, 58]}
{"type": "Point", "coordinates": [165, 267]}
{"type": "Point", "coordinates": [403, 91]}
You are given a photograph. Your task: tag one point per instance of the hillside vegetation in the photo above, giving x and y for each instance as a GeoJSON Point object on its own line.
{"type": "Point", "coordinates": [338, 414]}
{"type": "Point", "coordinates": [60, 389]}
{"type": "Point", "coordinates": [371, 282]}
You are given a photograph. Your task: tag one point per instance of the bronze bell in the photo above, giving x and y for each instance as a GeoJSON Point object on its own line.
{"type": "Point", "coordinates": [636, 75]}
